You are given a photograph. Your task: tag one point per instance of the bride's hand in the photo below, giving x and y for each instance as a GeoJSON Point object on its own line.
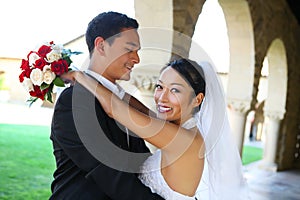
{"type": "Point", "coordinates": [70, 77]}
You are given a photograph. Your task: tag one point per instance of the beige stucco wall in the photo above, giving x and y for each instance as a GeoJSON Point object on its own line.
{"type": "Point", "coordinates": [11, 68]}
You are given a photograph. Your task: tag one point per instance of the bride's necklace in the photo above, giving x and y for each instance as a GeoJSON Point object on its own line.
{"type": "Point", "coordinates": [190, 123]}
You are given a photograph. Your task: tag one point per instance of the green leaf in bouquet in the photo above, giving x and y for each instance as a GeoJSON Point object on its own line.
{"type": "Point", "coordinates": [68, 52]}
{"type": "Point", "coordinates": [76, 52]}
{"type": "Point", "coordinates": [67, 58]}
{"type": "Point", "coordinates": [58, 82]}
{"type": "Point", "coordinates": [31, 100]}
{"type": "Point", "coordinates": [49, 96]}
{"type": "Point", "coordinates": [44, 86]}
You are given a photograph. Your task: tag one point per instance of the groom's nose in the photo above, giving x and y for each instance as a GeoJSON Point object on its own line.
{"type": "Point", "coordinates": [134, 56]}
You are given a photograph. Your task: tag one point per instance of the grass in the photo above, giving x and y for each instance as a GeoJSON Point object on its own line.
{"type": "Point", "coordinates": [251, 154]}
{"type": "Point", "coordinates": [27, 163]}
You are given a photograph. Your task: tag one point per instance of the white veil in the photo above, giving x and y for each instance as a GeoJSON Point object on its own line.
{"type": "Point", "coordinates": [222, 176]}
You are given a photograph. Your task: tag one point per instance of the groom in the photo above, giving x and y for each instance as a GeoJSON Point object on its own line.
{"type": "Point", "coordinates": [90, 166]}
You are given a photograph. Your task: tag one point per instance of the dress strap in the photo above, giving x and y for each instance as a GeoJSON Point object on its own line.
{"type": "Point", "coordinates": [190, 123]}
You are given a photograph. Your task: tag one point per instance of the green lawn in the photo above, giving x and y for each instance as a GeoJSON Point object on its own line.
{"type": "Point", "coordinates": [251, 154]}
{"type": "Point", "coordinates": [27, 163]}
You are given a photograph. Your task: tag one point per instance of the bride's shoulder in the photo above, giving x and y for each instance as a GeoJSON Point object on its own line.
{"type": "Point", "coordinates": [152, 163]}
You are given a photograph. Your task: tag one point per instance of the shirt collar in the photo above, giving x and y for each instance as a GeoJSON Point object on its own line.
{"type": "Point", "coordinates": [114, 88]}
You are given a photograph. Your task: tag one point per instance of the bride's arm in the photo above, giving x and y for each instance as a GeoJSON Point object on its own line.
{"type": "Point", "coordinates": [135, 103]}
{"type": "Point", "coordinates": [158, 132]}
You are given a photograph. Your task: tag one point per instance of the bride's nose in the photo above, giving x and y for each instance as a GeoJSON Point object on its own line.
{"type": "Point", "coordinates": [163, 96]}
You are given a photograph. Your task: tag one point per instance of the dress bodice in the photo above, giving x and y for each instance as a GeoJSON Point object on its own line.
{"type": "Point", "coordinates": [151, 176]}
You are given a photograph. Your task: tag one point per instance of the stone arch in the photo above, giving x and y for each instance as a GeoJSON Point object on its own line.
{"type": "Point", "coordinates": [275, 103]}
{"type": "Point", "coordinates": [277, 79]}
{"type": "Point", "coordinates": [241, 67]}
{"type": "Point", "coordinates": [185, 16]}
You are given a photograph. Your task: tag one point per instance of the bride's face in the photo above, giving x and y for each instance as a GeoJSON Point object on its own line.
{"type": "Point", "coordinates": [173, 97]}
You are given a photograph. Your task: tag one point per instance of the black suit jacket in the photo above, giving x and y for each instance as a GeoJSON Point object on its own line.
{"type": "Point", "coordinates": [91, 151]}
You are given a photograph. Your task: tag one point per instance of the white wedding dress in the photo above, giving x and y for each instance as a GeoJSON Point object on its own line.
{"type": "Point", "coordinates": [151, 176]}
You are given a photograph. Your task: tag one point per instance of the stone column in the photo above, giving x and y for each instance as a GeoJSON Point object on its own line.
{"type": "Point", "coordinates": [142, 86]}
{"type": "Point", "coordinates": [272, 123]}
{"type": "Point", "coordinates": [156, 33]}
{"type": "Point", "coordinates": [237, 117]}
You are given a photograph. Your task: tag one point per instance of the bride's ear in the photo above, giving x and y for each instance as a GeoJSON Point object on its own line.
{"type": "Point", "coordinates": [198, 99]}
{"type": "Point", "coordinates": [99, 45]}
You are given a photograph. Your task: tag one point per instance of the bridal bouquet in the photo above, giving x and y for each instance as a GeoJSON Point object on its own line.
{"type": "Point", "coordinates": [42, 68]}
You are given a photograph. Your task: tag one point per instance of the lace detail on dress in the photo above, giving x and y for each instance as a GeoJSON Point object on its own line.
{"type": "Point", "coordinates": [151, 176]}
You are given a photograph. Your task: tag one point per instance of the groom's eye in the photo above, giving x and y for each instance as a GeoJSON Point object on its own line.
{"type": "Point", "coordinates": [128, 50]}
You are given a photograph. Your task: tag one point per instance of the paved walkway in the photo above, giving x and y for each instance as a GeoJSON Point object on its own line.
{"type": "Point", "coordinates": [263, 184]}
{"type": "Point", "coordinates": [269, 185]}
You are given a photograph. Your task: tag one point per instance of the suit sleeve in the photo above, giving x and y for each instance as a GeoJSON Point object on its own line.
{"type": "Point", "coordinates": [74, 136]}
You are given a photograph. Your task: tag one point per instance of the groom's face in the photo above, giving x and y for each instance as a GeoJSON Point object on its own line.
{"type": "Point", "coordinates": [122, 55]}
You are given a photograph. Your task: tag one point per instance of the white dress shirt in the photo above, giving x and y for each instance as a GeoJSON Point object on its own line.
{"type": "Point", "coordinates": [114, 88]}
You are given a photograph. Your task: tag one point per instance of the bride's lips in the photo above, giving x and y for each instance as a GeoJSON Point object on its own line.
{"type": "Point", "coordinates": [163, 109]}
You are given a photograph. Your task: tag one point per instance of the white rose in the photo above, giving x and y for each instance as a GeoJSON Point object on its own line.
{"type": "Point", "coordinates": [57, 47]}
{"type": "Point", "coordinates": [27, 84]}
{"type": "Point", "coordinates": [32, 58]}
{"type": "Point", "coordinates": [36, 76]}
{"type": "Point", "coordinates": [46, 68]}
{"type": "Point", "coordinates": [49, 76]}
{"type": "Point", "coordinates": [53, 55]}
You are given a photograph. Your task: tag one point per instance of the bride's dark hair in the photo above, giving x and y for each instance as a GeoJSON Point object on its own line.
{"type": "Point", "coordinates": [191, 72]}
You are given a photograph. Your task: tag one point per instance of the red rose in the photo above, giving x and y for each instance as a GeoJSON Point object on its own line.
{"type": "Point", "coordinates": [37, 92]}
{"type": "Point", "coordinates": [59, 67]}
{"type": "Point", "coordinates": [25, 70]}
{"type": "Point", "coordinates": [21, 76]}
{"type": "Point", "coordinates": [24, 64]}
{"type": "Point", "coordinates": [30, 53]}
{"type": "Point", "coordinates": [40, 63]}
{"type": "Point", "coordinates": [43, 50]}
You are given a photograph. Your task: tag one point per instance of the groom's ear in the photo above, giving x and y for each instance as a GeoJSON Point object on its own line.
{"type": "Point", "coordinates": [99, 45]}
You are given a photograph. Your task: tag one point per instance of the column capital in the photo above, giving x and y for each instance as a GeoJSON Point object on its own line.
{"type": "Point", "coordinates": [274, 114]}
{"type": "Point", "coordinates": [144, 83]}
{"type": "Point", "coordinates": [238, 105]}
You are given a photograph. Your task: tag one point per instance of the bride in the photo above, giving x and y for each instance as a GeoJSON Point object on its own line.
{"type": "Point", "coordinates": [197, 158]}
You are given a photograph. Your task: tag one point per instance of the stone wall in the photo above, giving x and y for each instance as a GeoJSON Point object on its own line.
{"type": "Point", "coordinates": [271, 20]}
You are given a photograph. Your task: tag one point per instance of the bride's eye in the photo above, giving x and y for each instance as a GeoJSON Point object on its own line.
{"type": "Point", "coordinates": [158, 87]}
{"type": "Point", "coordinates": [174, 90]}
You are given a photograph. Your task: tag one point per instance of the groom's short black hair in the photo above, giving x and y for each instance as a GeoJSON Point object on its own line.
{"type": "Point", "coordinates": [107, 25]}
